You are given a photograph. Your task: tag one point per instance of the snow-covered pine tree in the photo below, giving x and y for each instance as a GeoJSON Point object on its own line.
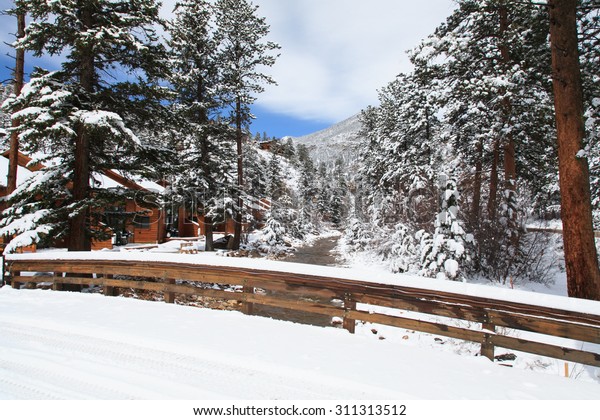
{"type": "Point", "coordinates": [490, 61]}
{"type": "Point", "coordinates": [589, 27]}
{"type": "Point", "coordinates": [338, 201]}
{"type": "Point", "coordinates": [399, 162]}
{"type": "Point", "coordinates": [400, 155]}
{"type": "Point", "coordinates": [243, 53]}
{"type": "Point", "coordinates": [205, 153]}
{"type": "Point", "coordinates": [273, 236]}
{"type": "Point", "coordinates": [443, 254]}
{"type": "Point", "coordinates": [5, 120]}
{"type": "Point", "coordinates": [309, 192]}
{"type": "Point", "coordinates": [79, 120]}
{"type": "Point", "coordinates": [581, 259]}
{"type": "Point", "coordinates": [19, 12]}
{"type": "Point", "coordinates": [275, 185]}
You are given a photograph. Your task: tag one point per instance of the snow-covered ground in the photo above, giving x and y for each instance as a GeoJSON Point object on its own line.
{"type": "Point", "coordinates": [57, 345]}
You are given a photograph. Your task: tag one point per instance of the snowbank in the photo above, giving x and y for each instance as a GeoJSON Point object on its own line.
{"type": "Point", "coordinates": [57, 345]}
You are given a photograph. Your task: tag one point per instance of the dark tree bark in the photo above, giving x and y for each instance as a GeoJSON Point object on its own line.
{"type": "Point", "coordinates": [475, 209]}
{"type": "Point", "coordinates": [510, 163]}
{"type": "Point", "coordinates": [239, 135]}
{"type": "Point", "coordinates": [583, 275]}
{"type": "Point", "coordinates": [13, 156]}
{"type": "Point", "coordinates": [492, 205]}
{"type": "Point", "coordinates": [79, 239]}
{"type": "Point", "coordinates": [205, 162]}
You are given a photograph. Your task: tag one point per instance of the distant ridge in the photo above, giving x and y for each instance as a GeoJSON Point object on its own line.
{"type": "Point", "coordinates": [338, 141]}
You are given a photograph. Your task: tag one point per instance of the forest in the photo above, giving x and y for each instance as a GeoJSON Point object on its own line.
{"type": "Point", "coordinates": [460, 155]}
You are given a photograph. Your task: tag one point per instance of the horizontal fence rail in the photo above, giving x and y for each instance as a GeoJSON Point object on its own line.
{"type": "Point", "coordinates": [489, 322]}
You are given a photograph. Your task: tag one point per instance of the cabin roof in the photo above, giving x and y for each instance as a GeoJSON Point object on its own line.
{"type": "Point", "coordinates": [107, 178]}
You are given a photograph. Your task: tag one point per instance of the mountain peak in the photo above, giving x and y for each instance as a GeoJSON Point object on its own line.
{"type": "Point", "coordinates": [342, 131]}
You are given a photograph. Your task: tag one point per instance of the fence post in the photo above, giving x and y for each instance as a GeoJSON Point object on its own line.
{"type": "Point", "coordinates": [13, 283]}
{"type": "Point", "coordinates": [487, 347]}
{"type": "Point", "coordinates": [55, 283]}
{"type": "Point", "coordinates": [170, 296]}
{"type": "Point", "coordinates": [247, 288]}
{"type": "Point", "coordinates": [109, 290]}
{"type": "Point", "coordinates": [349, 305]}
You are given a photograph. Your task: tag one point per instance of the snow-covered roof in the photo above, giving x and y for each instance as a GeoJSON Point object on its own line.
{"type": "Point", "coordinates": [105, 179]}
{"type": "Point", "coordinates": [23, 174]}
{"type": "Point", "coordinates": [142, 182]}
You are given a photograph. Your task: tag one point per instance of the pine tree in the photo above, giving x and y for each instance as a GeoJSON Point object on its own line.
{"type": "Point", "coordinates": [583, 274]}
{"type": "Point", "coordinates": [19, 78]}
{"type": "Point", "coordinates": [204, 155]}
{"type": "Point", "coordinates": [589, 25]}
{"type": "Point", "coordinates": [309, 191]}
{"type": "Point", "coordinates": [80, 119]}
{"type": "Point", "coordinates": [443, 253]}
{"type": "Point", "coordinates": [494, 88]}
{"type": "Point", "coordinates": [242, 52]}
{"type": "Point", "coordinates": [275, 184]}
{"type": "Point", "coordinates": [5, 120]}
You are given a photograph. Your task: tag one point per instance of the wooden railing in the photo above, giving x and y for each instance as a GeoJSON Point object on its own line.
{"type": "Point", "coordinates": [490, 322]}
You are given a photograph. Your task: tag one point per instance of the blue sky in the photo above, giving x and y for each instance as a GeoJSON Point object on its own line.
{"type": "Point", "coordinates": [335, 55]}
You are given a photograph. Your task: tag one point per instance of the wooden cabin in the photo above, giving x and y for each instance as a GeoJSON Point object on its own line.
{"type": "Point", "coordinates": [136, 220]}
{"type": "Point", "coordinates": [192, 224]}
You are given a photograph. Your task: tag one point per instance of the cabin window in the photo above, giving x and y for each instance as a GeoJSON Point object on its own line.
{"type": "Point", "coordinates": [141, 222]}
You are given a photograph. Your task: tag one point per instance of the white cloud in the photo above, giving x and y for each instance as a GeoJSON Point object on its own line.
{"type": "Point", "coordinates": [336, 54]}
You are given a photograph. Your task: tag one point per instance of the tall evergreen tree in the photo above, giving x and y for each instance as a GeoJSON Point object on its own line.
{"type": "Point", "coordinates": [243, 53]}
{"type": "Point", "coordinates": [19, 79]}
{"type": "Point", "coordinates": [203, 155]}
{"type": "Point", "coordinates": [490, 61]}
{"type": "Point", "coordinates": [5, 119]}
{"type": "Point", "coordinates": [80, 118]}
{"type": "Point", "coordinates": [583, 274]}
{"type": "Point", "coordinates": [589, 24]}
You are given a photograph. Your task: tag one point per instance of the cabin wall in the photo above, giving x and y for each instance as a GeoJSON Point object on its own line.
{"type": "Point", "coordinates": [150, 227]}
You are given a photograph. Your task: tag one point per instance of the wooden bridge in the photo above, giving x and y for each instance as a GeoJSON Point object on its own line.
{"type": "Point", "coordinates": [493, 323]}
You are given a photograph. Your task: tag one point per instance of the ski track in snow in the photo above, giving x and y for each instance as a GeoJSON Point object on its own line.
{"type": "Point", "coordinates": [38, 363]}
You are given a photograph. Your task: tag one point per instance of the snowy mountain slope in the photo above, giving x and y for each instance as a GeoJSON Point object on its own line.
{"type": "Point", "coordinates": [338, 141]}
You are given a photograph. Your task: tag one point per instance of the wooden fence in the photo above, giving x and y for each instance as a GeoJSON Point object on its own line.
{"type": "Point", "coordinates": [490, 322]}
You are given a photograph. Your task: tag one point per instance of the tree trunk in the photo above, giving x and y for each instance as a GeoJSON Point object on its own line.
{"type": "Point", "coordinates": [13, 154]}
{"type": "Point", "coordinates": [79, 239]}
{"type": "Point", "coordinates": [208, 228]}
{"type": "Point", "coordinates": [475, 209]}
{"type": "Point", "coordinates": [492, 205]}
{"type": "Point", "coordinates": [237, 235]}
{"type": "Point", "coordinates": [208, 233]}
{"type": "Point", "coordinates": [510, 164]}
{"type": "Point", "coordinates": [510, 189]}
{"type": "Point", "coordinates": [205, 163]}
{"type": "Point", "coordinates": [583, 275]}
